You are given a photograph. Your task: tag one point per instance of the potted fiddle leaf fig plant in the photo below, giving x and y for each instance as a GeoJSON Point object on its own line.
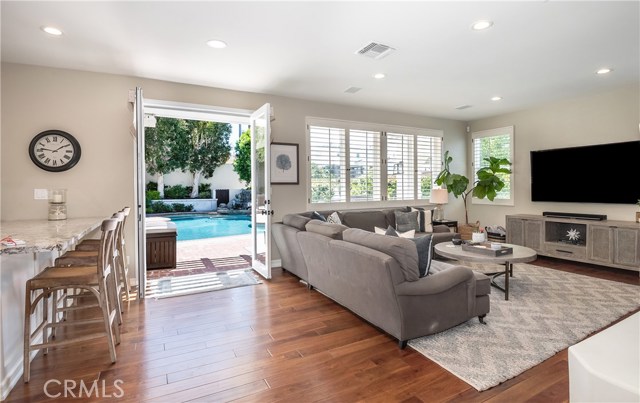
{"type": "Point", "coordinates": [488, 184]}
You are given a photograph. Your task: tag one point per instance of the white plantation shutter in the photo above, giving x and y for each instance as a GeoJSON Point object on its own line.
{"type": "Point", "coordinates": [429, 156]}
{"type": "Point", "coordinates": [400, 166]}
{"type": "Point", "coordinates": [367, 163]}
{"type": "Point", "coordinates": [364, 165]}
{"type": "Point", "coordinates": [327, 158]}
{"type": "Point", "coordinates": [494, 143]}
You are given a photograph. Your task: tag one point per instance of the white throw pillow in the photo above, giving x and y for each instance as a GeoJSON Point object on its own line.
{"type": "Point", "coordinates": [379, 231]}
{"type": "Point", "coordinates": [428, 221]}
{"type": "Point", "coordinates": [407, 234]}
{"type": "Point", "coordinates": [334, 218]}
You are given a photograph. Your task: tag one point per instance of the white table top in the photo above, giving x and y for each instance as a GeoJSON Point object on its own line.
{"type": "Point", "coordinates": [520, 254]}
{"type": "Point", "coordinates": [44, 235]}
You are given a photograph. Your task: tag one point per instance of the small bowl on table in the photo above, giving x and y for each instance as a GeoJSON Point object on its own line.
{"type": "Point", "coordinates": [456, 241]}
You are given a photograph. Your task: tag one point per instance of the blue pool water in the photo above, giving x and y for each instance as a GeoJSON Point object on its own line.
{"type": "Point", "coordinates": [201, 226]}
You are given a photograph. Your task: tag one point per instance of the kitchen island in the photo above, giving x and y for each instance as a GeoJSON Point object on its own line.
{"type": "Point", "coordinates": [44, 241]}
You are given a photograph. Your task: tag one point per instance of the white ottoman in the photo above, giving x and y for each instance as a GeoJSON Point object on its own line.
{"type": "Point", "coordinates": [606, 366]}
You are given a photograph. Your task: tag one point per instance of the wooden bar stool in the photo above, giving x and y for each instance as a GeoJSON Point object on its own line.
{"type": "Point", "coordinates": [98, 280]}
{"type": "Point", "coordinates": [87, 248]}
{"type": "Point", "coordinates": [84, 258]}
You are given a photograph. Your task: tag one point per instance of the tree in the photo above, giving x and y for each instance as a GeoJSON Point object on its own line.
{"type": "Point", "coordinates": [209, 149]}
{"type": "Point", "coordinates": [488, 184]}
{"type": "Point", "coordinates": [242, 163]}
{"type": "Point", "coordinates": [165, 148]}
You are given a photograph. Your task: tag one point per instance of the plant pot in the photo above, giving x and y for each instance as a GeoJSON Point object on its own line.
{"type": "Point", "coordinates": [466, 230]}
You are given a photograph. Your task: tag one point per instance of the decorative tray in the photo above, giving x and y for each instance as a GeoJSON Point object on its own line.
{"type": "Point", "coordinates": [484, 248]}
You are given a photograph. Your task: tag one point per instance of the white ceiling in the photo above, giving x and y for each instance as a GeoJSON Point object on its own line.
{"type": "Point", "coordinates": [535, 52]}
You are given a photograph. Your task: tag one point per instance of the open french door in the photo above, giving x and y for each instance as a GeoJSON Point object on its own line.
{"type": "Point", "coordinates": [261, 191]}
{"type": "Point", "coordinates": [138, 124]}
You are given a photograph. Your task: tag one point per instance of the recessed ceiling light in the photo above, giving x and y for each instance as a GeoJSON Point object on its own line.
{"type": "Point", "coordinates": [482, 24]}
{"type": "Point", "coordinates": [52, 31]}
{"type": "Point", "coordinates": [217, 44]}
{"type": "Point", "coordinates": [604, 70]}
{"type": "Point", "coordinates": [379, 76]}
{"type": "Point", "coordinates": [496, 98]}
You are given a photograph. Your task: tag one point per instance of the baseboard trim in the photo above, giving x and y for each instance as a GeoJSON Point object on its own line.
{"type": "Point", "coordinates": [276, 263]}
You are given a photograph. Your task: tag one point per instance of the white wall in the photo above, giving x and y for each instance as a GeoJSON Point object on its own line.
{"type": "Point", "coordinates": [94, 108]}
{"type": "Point", "coordinates": [607, 117]}
{"type": "Point", "coordinates": [224, 177]}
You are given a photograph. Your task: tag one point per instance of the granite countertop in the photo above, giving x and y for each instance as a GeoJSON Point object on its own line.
{"type": "Point", "coordinates": [44, 235]}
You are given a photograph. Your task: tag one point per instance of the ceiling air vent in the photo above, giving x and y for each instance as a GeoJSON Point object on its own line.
{"type": "Point", "coordinates": [461, 107]}
{"type": "Point", "coordinates": [375, 50]}
{"type": "Point", "coordinates": [352, 90]}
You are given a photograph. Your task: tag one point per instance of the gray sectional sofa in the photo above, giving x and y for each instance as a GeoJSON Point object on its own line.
{"type": "Point", "coordinates": [376, 276]}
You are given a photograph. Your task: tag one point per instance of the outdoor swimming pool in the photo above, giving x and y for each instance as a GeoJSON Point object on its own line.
{"type": "Point", "coordinates": [192, 227]}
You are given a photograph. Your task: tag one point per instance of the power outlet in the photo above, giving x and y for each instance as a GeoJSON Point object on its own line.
{"type": "Point", "coordinates": [40, 194]}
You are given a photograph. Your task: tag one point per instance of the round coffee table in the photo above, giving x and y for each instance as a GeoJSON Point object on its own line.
{"type": "Point", "coordinates": [521, 254]}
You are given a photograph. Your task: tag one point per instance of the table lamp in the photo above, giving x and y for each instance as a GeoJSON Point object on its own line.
{"type": "Point", "coordinates": [439, 197]}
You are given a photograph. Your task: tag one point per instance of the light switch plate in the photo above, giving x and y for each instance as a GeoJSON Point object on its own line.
{"type": "Point", "coordinates": [40, 194]}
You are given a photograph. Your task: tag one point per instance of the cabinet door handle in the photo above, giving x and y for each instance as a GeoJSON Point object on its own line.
{"type": "Point", "coordinates": [564, 251]}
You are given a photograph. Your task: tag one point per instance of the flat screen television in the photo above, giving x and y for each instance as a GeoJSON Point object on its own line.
{"type": "Point", "coordinates": [602, 173]}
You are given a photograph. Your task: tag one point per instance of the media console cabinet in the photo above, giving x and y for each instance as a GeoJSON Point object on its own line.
{"type": "Point", "coordinates": [608, 243]}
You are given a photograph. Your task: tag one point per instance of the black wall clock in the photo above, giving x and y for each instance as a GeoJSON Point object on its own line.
{"type": "Point", "coordinates": [54, 150]}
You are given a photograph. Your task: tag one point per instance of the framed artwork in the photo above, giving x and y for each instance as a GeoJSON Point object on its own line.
{"type": "Point", "coordinates": [284, 164]}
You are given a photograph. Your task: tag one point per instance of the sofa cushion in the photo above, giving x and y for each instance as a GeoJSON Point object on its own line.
{"type": "Point", "coordinates": [423, 247]}
{"type": "Point", "coordinates": [407, 221]}
{"type": "Point", "coordinates": [365, 220]}
{"type": "Point", "coordinates": [326, 228]}
{"type": "Point", "coordinates": [296, 220]}
{"type": "Point", "coordinates": [401, 249]}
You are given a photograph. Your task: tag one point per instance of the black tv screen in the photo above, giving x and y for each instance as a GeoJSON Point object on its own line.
{"type": "Point", "coordinates": [603, 173]}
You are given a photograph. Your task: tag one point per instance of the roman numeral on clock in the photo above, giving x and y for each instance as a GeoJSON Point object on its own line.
{"type": "Point", "coordinates": [67, 157]}
{"type": "Point", "coordinates": [48, 160]}
{"type": "Point", "coordinates": [55, 163]}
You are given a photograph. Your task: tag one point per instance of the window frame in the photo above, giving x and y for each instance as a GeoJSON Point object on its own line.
{"type": "Point", "coordinates": [500, 131]}
{"type": "Point", "coordinates": [366, 126]}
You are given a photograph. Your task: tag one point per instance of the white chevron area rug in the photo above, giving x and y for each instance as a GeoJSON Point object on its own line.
{"type": "Point", "coordinates": [548, 311]}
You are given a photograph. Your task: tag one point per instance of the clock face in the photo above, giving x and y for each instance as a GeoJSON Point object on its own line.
{"type": "Point", "coordinates": [54, 150]}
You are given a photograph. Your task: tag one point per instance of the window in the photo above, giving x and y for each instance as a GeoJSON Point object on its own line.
{"type": "Point", "coordinates": [327, 159]}
{"type": "Point", "coordinates": [364, 165]}
{"type": "Point", "coordinates": [353, 162]}
{"type": "Point", "coordinates": [400, 167]}
{"type": "Point", "coordinates": [494, 143]}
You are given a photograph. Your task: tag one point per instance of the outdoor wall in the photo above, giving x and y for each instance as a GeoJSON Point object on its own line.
{"type": "Point", "coordinates": [224, 177]}
{"type": "Point", "coordinates": [94, 108]}
{"type": "Point", "coordinates": [608, 117]}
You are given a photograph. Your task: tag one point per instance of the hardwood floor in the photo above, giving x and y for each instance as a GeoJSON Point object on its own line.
{"type": "Point", "coordinates": [273, 342]}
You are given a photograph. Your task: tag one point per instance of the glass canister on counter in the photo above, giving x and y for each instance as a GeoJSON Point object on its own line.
{"type": "Point", "coordinates": [57, 204]}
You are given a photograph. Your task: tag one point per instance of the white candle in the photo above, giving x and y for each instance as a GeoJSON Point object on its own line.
{"type": "Point", "coordinates": [57, 198]}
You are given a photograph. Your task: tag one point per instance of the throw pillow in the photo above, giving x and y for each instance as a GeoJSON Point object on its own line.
{"type": "Point", "coordinates": [407, 221]}
{"type": "Point", "coordinates": [334, 218]}
{"type": "Point", "coordinates": [380, 231]}
{"type": "Point", "coordinates": [393, 232]}
{"type": "Point", "coordinates": [317, 216]}
{"type": "Point", "coordinates": [425, 220]}
{"type": "Point", "coordinates": [423, 247]}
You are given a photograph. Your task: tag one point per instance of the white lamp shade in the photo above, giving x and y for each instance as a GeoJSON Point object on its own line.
{"type": "Point", "coordinates": [439, 196]}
